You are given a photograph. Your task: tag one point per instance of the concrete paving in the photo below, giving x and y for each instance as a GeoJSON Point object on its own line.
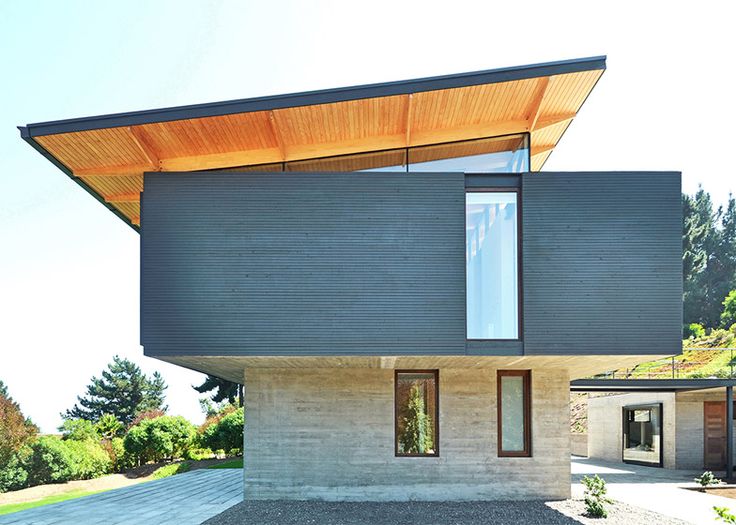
{"type": "Point", "coordinates": [660, 490]}
{"type": "Point", "coordinates": [183, 499]}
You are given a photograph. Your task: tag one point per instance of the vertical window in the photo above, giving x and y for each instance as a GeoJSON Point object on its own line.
{"type": "Point", "coordinates": [416, 403]}
{"type": "Point", "coordinates": [514, 413]}
{"type": "Point", "coordinates": [491, 247]}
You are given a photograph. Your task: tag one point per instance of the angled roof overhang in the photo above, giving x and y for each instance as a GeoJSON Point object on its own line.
{"type": "Point", "coordinates": [648, 385]}
{"type": "Point", "coordinates": [107, 155]}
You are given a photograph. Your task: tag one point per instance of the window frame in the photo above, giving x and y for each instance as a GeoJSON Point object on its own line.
{"type": "Point", "coordinates": [527, 390]}
{"type": "Point", "coordinates": [624, 433]}
{"type": "Point", "coordinates": [519, 286]}
{"type": "Point", "coordinates": [436, 415]}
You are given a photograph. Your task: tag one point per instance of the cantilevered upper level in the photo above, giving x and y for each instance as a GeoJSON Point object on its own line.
{"type": "Point", "coordinates": [520, 113]}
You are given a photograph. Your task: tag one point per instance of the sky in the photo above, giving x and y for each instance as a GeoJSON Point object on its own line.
{"type": "Point", "coordinates": [69, 269]}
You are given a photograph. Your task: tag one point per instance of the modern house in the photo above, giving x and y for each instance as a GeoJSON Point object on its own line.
{"type": "Point", "coordinates": [670, 423]}
{"type": "Point", "coordinates": [403, 291]}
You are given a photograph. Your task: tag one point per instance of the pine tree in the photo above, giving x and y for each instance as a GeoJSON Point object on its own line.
{"type": "Point", "coordinates": [123, 391]}
{"type": "Point", "coordinates": [417, 437]}
{"type": "Point", "coordinates": [223, 388]}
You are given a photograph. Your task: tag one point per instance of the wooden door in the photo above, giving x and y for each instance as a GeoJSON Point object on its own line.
{"type": "Point", "coordinates": [714, 425]}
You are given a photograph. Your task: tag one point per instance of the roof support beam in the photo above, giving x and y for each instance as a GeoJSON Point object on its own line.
{"type": "Point", "coordinates": [113, 171]}
{"type": "Point", "coordinates": [551, 120]}
{"type": "Point", "coordinates": [144, 145]}
{"type": "Point", "coordinates": [536, 104]}
{"type": "Point", "coordinates": [278, 138]}
{"type": "Point", "coordinates": [123, 197]}
{"type": "Point", "coordinates": [407, 125]}
{"type": "Point", "coordinates": [538, 150]}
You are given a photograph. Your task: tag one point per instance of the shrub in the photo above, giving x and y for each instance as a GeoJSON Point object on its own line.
{"type": "Point", "coordinates": [121, 460]}
{"type": "Point", "coordinates": [197, 454]}
{"type": "Point", "coordinates": [170, 470]}
{"type": "Point", "coordinates": [725, 515]}
{"type": "Point", "coordinates": [89, 459]}
{"type": "Point", "coordinates": [79, 430]}
{"type": "Point", "coordinates": [595, 496]}
{"type": "Point", "coordinates": [13, 475]}
{"type": "Point", "coordinates": [50, 461]}
{"type": "Point", "coordinates": [225, 432]}
{"type": "Point", "coordinates": [728, 316]}
{"type": "Point", "coordinates": [159, 438]}
{"type": "Point", "coordinates": [706, 479]}
{"type": "Point", "coordinates": [693, 331]}
{"type": "Point", "coordinates": [109, 427]}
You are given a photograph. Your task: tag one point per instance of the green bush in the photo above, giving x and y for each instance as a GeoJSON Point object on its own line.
{"type": "Point", "coordinates": [226, 432]}
{"type": "Point", "coordinates": [121, 460]}
{"type": "Point", "coordinates": [159, 438]}
{"type": "Point", "coordinates": [109, 427]}
{"type": "Point", "coordinates": [706, 479]}
{"type": "Point", "coordinates": [170, 470]}
{"type": "Point", "coordinates": [90, 459]}
{"type": "Point", "coordinates": [728, 316]}
{"type": "Point", "coordinates": [79, 430]}
{"type": "Point", "coordinates": [198, 454]}
{"type": "Point", "coordinates": [724, 515]}
{"type": "Point", "coordinates": [595, 496]}
{"type": "Point", "coordinates": [50, 461]}
{"type": "Point", "coordinates": [13, 475]}
{"type": "Point", "coordinates": [693, 331]}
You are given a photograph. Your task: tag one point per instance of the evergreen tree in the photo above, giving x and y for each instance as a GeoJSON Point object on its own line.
{"type": "Point", "coordinates": [699, 230]}
{"type": "Point", "coordinates": [223, 389]}
{"type": "Point", "coordinates": [417, 437]}
{"type": "Point", "coordinates": [123, 391]}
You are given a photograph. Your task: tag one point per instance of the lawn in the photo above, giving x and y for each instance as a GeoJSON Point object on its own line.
{"type": "Point", "coordinates": [236, 463]}
{"type": "Point", "coordinates": [56, 498]}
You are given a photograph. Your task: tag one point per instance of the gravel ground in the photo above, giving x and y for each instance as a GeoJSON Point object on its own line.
{"type": "Point", "coordinates": [618, 514]}
{"type": "Point", "coordinates": [429, 513]}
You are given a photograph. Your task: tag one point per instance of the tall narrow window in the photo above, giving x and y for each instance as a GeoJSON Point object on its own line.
{"type": "Point", "coordinates": [491, 265]}
{"type": "Point", "coordinates": [416, 403]}
{"type": "Point", "coordinates": [514, 413]}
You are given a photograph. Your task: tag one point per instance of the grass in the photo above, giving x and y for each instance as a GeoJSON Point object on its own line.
{"type": "Point", "coordinates": [236, 463]}
{"type": "Point", "coordinates": [56, 498]}
{"type": "Point", "coordinates": [170, 470]}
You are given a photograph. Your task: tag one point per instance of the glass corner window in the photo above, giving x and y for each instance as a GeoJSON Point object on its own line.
{"type": "Point", "coordinates": [416, 402]}
{"type": "Point", "coordinates": [491, 258]}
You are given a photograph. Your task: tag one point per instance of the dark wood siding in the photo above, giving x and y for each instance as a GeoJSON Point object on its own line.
{"type": "Point", "coordinates": [303, 264]}
{"type": "Point", "coordinates": [602, 270]}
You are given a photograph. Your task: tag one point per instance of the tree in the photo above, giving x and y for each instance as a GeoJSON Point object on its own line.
{"type": "Point", "coordinates": [109, 427]}
{"type": "Point", "coordinates": [728, 316]}
{"type": "Point", "coordinates": [159, 438]}
{"type": "Point", "coordinates": [223, 388]}
{"type": "Point", "coordinates": [123, 391]}
{"type": "Point", "coordinates": [699, 239]}
{"type": "Point", "coordinates": [417, 437]}
{"type": "Point", "coordinates": [15, 430]}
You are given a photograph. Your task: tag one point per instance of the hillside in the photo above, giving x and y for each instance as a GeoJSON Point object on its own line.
{"type": "Point", "coordinates": [701, 357]}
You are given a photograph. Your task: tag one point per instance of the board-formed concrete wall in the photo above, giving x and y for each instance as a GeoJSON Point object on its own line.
{"type": "Point", "coordinates": [605, 419]}
{"type": "Point", "coordinates": [329, 434]}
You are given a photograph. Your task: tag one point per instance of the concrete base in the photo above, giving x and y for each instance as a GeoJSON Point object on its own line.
{"type": "Point", "coordinates": [328, 434]}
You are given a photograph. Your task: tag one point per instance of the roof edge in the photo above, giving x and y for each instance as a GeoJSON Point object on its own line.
{"type": "Point", "coordinates": [326, 96]}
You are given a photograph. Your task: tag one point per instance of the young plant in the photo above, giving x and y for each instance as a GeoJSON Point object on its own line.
{"type": "Point", "coordinates": [706, 479]}
{"type": "Point", "coordinates": [595, 496]}
{"type": "Point", "coordinates": [724, 515]}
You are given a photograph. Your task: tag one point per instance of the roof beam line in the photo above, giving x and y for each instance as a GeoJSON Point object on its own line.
{"type": "Point", "coordinates": [407, 125]}
{"type": "Point", "coordinates": [123, 197]}
{"type": "Point", "coordinates": [538, 150]}
{"type": "Point", "coordinates": [278, 138]}
{"type": "Point", "coordinates": [536, 104]}
{"type": "Point", "coordinates": [144, 145]}
{"type": "Point", "coordinates": [551, 120]}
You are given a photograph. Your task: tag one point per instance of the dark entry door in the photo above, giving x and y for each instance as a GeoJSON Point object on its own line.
{"type": "Point", "coordinates": [714, 425]}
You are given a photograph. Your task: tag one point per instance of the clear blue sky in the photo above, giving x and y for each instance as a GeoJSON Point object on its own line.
{"type": "Point", "coordinates": [69, 268]}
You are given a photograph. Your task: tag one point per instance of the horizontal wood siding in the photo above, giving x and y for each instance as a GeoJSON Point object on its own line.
{"type": "Point", "coordinates": [303, 264]}
{"type": "Point", "coordinates": [602, 267]}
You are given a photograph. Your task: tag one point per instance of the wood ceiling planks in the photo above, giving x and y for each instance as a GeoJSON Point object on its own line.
{"type": "Point", "coordinates": [112, 160]}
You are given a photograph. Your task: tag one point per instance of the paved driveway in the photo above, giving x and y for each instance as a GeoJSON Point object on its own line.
{"type": "Point", "coordinates": [656, 489]}
{"type": "Point", "coordinates": [184, 499]}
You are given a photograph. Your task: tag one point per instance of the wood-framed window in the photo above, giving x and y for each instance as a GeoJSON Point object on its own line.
{"type": "Point", "coordinates": [514, 401]}
{"type": "Point", "coordinates": [416, 413]}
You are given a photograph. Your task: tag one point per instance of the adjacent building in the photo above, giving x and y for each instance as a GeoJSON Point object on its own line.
{"type": "Point", "coordinates": [402, 290]}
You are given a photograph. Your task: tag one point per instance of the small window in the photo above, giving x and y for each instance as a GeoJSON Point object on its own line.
{"type": "Point", "coordinates": [416, 403]}
{"type": "Point", "coordinates": [514, 413]}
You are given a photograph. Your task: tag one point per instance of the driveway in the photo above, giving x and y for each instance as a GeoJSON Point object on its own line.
{"type": "Point", "coordinates": [656, 489]}
{"type": "Point", "coordinates": [183, 499]}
